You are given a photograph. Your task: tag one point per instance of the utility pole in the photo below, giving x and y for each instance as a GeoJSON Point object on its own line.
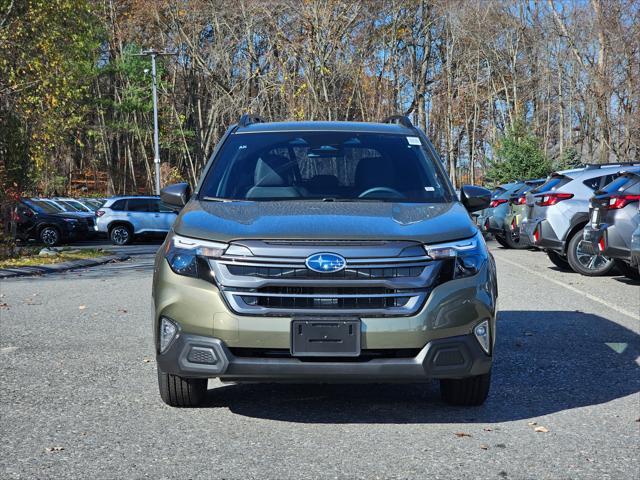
{"type": "Point", "coordinates": [156, 140]}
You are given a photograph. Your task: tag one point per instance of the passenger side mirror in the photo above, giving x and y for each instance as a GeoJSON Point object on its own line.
{"type": "Point", "coordinates": [177, 194]}
{"type": "Point", "coordinates": [475, 198]}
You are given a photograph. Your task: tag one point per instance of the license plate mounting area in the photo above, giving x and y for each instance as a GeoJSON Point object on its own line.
{"type": "Point", "coordinates": [325, 337]}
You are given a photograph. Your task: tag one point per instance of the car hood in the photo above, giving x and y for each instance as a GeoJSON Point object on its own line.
{"type": "Point", "coordinates": [310, 220]}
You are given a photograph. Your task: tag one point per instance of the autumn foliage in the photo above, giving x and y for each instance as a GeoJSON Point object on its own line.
{"type": "Point", "coordinates": [74, 99]}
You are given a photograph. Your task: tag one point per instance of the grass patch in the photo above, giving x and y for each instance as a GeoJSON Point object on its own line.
{"type": "Point", "coordinates": [31, 258]}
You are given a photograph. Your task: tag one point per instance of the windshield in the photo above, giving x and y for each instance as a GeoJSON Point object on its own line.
{"type": "Point", "coordinates": [68, 206]}
{"type": "Point", "coordinates": [42, 207]}
{"type": "Point", "coordinates": [338, 166]}
{"type": "Point", "coordinates": [78, 206]}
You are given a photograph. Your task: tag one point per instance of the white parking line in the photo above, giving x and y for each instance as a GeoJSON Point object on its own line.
{"type": "Point", "coordinates": [574, 289]}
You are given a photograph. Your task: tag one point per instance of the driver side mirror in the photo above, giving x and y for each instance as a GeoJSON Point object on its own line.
{"type": "Point", "coordinates": [176, 195]}
{"type": "Point", "coordinates": [475, 198]}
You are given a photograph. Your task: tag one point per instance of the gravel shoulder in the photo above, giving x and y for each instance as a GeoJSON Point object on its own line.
{"type": "Point", "coordinates": [79, 396]}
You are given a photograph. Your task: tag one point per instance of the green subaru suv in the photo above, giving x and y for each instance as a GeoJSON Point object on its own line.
{"type": "Point", "coordinates": [324, 252]}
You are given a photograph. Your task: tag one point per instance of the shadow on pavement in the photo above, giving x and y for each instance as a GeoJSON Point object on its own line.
{"type": "Point", "coordinates": [546, 361]}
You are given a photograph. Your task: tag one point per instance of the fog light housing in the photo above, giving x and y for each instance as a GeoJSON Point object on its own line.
{"type": "Point", "coordinates": [203, 355]}
{"type": "Point", "coordinates": [168, 333]}
{"type": "Point", "coordinates": [481, 331]}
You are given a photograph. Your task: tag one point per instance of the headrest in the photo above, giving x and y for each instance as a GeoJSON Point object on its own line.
{"type": "Point", "coordinates": [275, 171]}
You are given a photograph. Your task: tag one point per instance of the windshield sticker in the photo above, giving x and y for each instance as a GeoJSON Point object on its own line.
{"type": "Point", "coordinates": [414, 141]}
{"type": "Point", "coordinates": [430, 189]}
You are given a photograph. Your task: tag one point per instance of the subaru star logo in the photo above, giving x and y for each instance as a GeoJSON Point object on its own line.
{"type": "Point", "coordinates": [325, 262]}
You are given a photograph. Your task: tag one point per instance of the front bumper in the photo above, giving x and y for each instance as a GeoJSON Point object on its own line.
{"type": "Point", "coordinates": [76, 232]}
{"type": "Point", "coordinates": [454, 357]}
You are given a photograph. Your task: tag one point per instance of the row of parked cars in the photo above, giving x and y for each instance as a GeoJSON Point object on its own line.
{"type": "Point", "coordinates": [63, 220]}
{"type": "Point", "coordinates": [586, 219]}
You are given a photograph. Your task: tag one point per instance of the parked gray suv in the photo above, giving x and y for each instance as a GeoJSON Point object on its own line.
{"type": "Point", "coordinates": [613, 218]}
{"type": "Point", "coordinates": [558, 211]}
{"type": "Point", "coordinates": [324, 252]}
{"type": "Point", "coordinates": [124, 218]}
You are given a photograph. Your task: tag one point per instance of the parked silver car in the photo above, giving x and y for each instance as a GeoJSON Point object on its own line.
{"type": "Point", "coordinates": [124, 218]}
{"type": "Point", "coordinates": [558, 211]}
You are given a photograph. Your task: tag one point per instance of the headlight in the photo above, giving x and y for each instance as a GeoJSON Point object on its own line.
{"type": "Point", "coordinates": [70, 220]}
{"type": "Point", "coordinates": [188, 256]}
{"type": "Point", "coordinates": [468, 254]}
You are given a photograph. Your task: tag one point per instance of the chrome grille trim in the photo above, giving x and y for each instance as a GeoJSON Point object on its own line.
{"type": "Point", "coordinates": [291, 262]}
{"type": "Point", "coordinates": [265, 284]}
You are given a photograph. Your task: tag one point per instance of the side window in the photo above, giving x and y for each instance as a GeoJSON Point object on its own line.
{"type": "Point", "coordinates": [593, 183]}
{"type": "Point", "coordinates": [118, 205]}
{"type": "Point", "coordinates": [24, 210]}
{"type": "Point", "coordinates": [154, 205]}
{"type": "Point", "coordinates": [597, 183]}
{"type": "Point", "coordinates": [138, 205]}
{"type": "Point", "coordinates": [163, 208]}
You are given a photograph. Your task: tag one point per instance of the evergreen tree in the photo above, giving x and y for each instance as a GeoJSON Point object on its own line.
{"type": "Point", "coordinates": [518, 156]}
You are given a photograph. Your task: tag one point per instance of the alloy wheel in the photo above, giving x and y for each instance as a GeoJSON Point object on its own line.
{"type": "Point", "coordinates": [120, 235]}
{"type": "Point", "coordinates": [49, 236]}
{"type": "Point", "coordinates": [591, 261]}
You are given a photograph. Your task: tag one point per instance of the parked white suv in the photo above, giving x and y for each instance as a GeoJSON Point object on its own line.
{"type": "Point", "coordinates": [123, 218]}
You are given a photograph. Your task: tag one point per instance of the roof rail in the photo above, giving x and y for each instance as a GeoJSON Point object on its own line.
{"type": "Point", "coordinates": [614, 164]}
{"type": "Point", "coordinates": [399, 119]}
{"type": "Point", "coordinates": [248, 119]}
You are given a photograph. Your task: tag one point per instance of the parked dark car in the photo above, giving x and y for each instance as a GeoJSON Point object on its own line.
{"type": "Point", "coordinates": [515, 213]}
{"type": "Point", "coordinates": [613, 218]}
{"type": "Point", "coordinates": [36, 219]}
{"type": "Point", "coordinates": [491, 220]}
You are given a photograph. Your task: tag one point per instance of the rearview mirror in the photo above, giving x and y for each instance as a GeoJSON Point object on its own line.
{"type": "Point", "coordinates": [475, 198]}
{"type": "Point", "coordinates": [177, 194]}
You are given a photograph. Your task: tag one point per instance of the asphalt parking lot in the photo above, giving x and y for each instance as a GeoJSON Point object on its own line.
{"type": "Point", "coordinates": [79, 395]}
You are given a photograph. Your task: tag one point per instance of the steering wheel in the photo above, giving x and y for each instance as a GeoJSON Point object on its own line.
{"type": "Point", "coordinates": [392, 191]}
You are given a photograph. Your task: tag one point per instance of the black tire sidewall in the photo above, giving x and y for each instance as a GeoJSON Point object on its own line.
{"type": "Point", "coordinates": [512, 243]}
{"type": "Point", "coordinates": [559, 261]}
{"type": "Point", "coordinates": [627, 270]}
{"type": "Point", "coordinates": [501, 241]}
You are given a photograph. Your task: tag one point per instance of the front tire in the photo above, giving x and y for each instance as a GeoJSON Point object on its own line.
{"type": "Point", "coordinates": [585, 263]}
{"type": "Point", "coordinates": [468, 392]}
{"type": "Point", "coordinates": [121, 235]}
{"type": "Point", "coordinates": [177, 391]}
{"type": "Point", "coordinates": [50, 236]}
